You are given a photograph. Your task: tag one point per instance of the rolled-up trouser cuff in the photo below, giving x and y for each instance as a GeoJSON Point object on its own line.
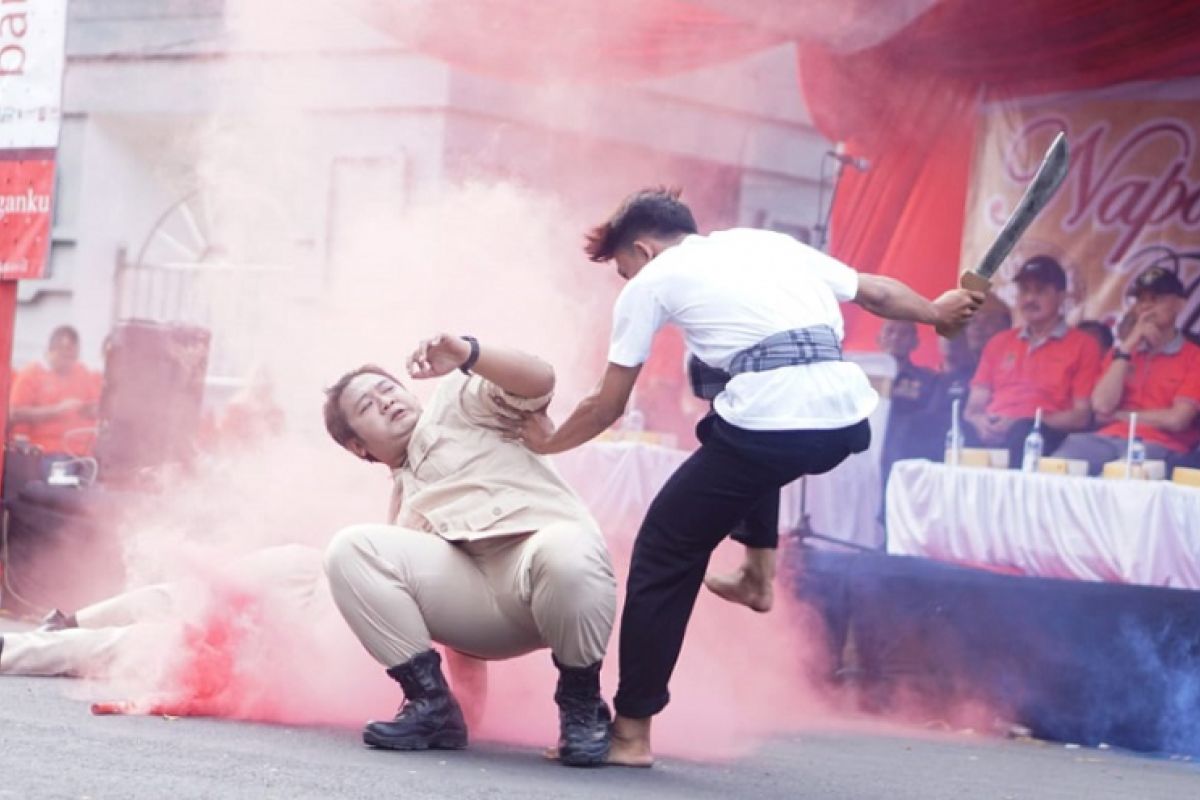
{"type": "Point", "coordinates": [640, 708]}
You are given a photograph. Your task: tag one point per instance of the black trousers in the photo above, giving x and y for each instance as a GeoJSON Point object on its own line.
{"type": "Point", "coordinates": [733, 474]}
{"type": "Point", "coordinates": [760, 527]}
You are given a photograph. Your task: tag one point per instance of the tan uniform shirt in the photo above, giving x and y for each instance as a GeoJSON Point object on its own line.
{"type": "Point", "coordinates": [465, 482]}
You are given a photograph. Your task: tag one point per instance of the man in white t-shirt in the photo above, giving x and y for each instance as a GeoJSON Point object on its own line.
{"type": "Point", "coordinates": [764, 309]}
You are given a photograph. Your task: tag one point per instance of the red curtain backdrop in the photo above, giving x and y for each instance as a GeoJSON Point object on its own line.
{"type": "Point", "coordinates": [909, 106]}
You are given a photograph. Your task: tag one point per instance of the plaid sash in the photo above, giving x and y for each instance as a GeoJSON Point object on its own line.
{"type": "Point", "coordinates": [785, 349]}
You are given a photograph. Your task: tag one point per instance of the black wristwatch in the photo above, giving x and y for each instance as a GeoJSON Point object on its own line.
{"type": "Point", "coordinates": [467, 365]}
{"type": "Point", "coordinates": [1120, 355]}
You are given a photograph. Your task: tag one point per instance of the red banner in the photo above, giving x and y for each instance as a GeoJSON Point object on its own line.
{"type": "Point", "coordinates": [32, 37]}
{"type": "Point", "coordinates": [26, 184]}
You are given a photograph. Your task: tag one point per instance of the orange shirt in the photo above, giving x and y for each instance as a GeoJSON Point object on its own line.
{"type": "Point", "coordinates": [1155, 380]}
{"type": "Point", "coordinates": [37, 386]}
{"type": "Point", "coordinates": [1052, 375]}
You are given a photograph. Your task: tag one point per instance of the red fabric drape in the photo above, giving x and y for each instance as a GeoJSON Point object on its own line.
{"type": "Point", "coordinates": [910, 106]}
{"type": "Point", "coordinates": [578, 40]}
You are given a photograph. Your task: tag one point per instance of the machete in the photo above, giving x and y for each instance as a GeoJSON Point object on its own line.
{"type": "Point", "coordinates": [1046, 181]}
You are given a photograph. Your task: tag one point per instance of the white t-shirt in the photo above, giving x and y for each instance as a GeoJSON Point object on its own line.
{"type": "Point", "coordinates": [730, 290]}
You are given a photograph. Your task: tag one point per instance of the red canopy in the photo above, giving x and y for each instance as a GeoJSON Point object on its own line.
{"type": "Point", "coordinates": [900, 85]}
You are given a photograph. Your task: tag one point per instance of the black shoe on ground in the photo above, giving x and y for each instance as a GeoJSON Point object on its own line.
{"type": "Point", "coordinates": [430, 718]}
{"type": "Point", "coordinates": [584, 721]}
{"type": "Point", "coordinates": [57, 621]}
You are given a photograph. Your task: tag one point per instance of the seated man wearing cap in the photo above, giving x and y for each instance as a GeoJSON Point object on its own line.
{"type": "Point", "coordinates": [1044, 364]}
{"type": "Point", "coordinates": [1153, 371]}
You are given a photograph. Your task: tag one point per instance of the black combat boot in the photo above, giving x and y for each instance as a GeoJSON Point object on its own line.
{"type": "Point", "coordinates": [584, 721]}
{"type": "Point", "coordinates": [430, 718]}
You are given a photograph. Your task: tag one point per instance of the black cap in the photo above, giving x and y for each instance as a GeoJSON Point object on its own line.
{"type": "Point", "coordinates": [1159, 281]}
{"type": "Point", "coordinates": [1042, 269]}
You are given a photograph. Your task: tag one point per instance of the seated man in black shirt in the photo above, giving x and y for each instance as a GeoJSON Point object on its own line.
{"type": "Point", "coordinates": [911, 390]}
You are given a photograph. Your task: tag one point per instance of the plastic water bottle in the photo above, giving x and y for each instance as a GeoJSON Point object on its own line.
{"type": "Point", "coordinates": [954, 445]}
{"type": "Point", "coordinates": [954, 438]}
{"type": "Point", "coordinates": [1137, 454]}
{"type": "Point", "coordinates": [1033, 449]}
{"type": "Point", "coordinates": [1135, 451]}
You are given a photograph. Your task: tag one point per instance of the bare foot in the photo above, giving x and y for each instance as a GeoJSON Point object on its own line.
{"type": "Point", "coordinates": [743, 588]}
{"type": "Point", "coordinates": [636, 755]}
{"type": "Point", "coordinates": [627, 753]}
{"type": "Point", "coordinates": [631, 743]}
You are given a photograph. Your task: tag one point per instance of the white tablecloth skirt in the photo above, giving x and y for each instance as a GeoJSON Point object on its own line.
{"type": "Point", "coordinates": [1145, 532]}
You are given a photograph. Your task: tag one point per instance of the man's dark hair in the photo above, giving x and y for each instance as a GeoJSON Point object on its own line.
{"type": "Point", "coordinates": [650, 212]}
{"type": "Point", "coordinates": [67, 332]}
{"type": "Point", "coordinates": [335, 419]}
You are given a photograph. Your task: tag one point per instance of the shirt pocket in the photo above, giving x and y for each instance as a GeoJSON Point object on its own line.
{"type": "Point", "coordinates": [476, 511]}
{"type": "Point", "coordinates": [437, 453]}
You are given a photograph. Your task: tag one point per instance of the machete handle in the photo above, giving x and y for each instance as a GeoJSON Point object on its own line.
{"type": "Point", "coordinates": [974, 282]}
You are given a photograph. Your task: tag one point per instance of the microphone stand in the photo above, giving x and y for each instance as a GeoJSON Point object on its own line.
{"type": "Point", "coordinates": [804, 530]}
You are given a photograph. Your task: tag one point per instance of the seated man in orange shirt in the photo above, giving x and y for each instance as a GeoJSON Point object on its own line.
{"type": "Point", "coordinates": [1154, 371]}
{"type": "Point", "coordinates": [1044, 364]}
{"type": "Point", "coordinates": [993, 317]}
{"type": "Point", "coordinates": [53, 406]}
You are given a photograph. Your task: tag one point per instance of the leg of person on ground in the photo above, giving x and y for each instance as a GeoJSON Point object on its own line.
{"type": "Point", "coordinates": [73, 652]}
{"type": "Point", "coordinates": [86, 642]}
{"type": "Point", "coordinates": [152, 602]}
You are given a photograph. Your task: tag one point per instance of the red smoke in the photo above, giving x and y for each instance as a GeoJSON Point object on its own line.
{"type": "Point", "coordinates": [493, 258]}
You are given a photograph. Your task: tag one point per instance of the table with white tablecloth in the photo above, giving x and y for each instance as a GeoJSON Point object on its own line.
{"type": "Point", "coordinates": [1054, 526]}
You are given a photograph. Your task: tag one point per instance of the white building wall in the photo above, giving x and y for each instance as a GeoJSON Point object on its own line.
{"type": "Point", "coordinates": [144, 77]}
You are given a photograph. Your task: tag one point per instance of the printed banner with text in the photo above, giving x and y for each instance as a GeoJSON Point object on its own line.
{"type": "Point", "coordinates": [1131, 199]}
{"type": "Point", "coordinates": [32, 54]}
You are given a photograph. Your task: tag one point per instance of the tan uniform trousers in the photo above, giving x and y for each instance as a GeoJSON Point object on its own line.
{"type": "Point", "coordinates": [104, 629]}
{"type": "Point", "coordinates": [400, 590]}
{"type": "Point", "coordinates": [138, 620]}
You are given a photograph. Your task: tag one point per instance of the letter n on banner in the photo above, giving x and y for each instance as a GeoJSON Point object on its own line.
{"type": "Point", "coordinates": [26, 186]}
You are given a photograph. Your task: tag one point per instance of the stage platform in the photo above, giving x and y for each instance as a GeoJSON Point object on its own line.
{"type": "Point", "coordinates": [1074, 661]}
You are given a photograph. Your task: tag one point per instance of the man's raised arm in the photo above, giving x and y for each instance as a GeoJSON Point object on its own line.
{"type": "Point", "coordinates": [594, 414]}
{"type": "Point", "coordinates": [889, 298]}
{"type": "Point", "coordinates": [512, 370]}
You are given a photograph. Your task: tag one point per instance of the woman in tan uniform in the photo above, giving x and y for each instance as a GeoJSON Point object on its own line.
{"type": "Point", "coordinates": [490, 552]}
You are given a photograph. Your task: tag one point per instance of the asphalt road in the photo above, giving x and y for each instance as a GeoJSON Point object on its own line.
{"type": "Point", "coordinates": [52, 747]}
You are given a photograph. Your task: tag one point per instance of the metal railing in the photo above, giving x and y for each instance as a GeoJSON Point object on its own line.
{"type": "Point", "coordinates": [226, 299]}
